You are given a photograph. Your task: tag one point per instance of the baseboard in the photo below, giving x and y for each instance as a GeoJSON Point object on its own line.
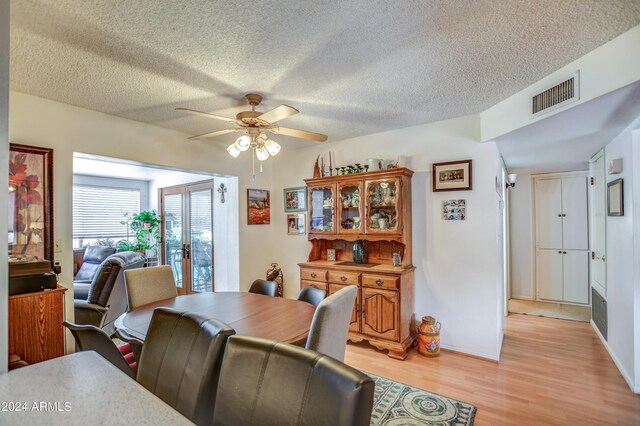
{"type": "Point", "coordinates": [473, 354]}
{"type": "Point", "coordinates": [625, 375]}
{"type": "Point", "coordinates": [521, 297]}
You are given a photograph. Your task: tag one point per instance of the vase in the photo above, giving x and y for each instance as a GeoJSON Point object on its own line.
{"type": "Point", "coordinates": [429, 337]}
{"type": "Point", "coordinates": [359, 252]}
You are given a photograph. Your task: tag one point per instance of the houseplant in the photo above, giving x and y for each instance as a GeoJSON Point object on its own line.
{"type": "Point", "coordinates": [146, 228]}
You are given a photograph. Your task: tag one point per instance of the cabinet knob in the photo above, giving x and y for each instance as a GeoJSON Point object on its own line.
{"type": "Point", "coordinates": [559, 251]}
{"type": "Point", "coordinates": [343, 278]}
{"type": "Point", "coordinates": [379, 282]}
{"type": "Point", "coordinates": [313, 275]}
{"type": "Point", "coordinates": [564, 252]}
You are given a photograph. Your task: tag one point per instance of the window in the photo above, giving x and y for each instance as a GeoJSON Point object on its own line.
{"type": "Point", "coordinates": [98, 210]}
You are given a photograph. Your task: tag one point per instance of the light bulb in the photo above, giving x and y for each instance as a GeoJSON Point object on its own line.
{"type": "Point", "coordinates": [233, 150]}
{"type": "Point", "coordinates": [243, 143]}
{"type": "Point", "coordinates": [272, 146]}
{"type": "Point", "coordinates": [262, 153]}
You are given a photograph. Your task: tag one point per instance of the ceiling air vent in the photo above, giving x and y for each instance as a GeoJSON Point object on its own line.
{"type": "Point", "coordinates": [556, 96]}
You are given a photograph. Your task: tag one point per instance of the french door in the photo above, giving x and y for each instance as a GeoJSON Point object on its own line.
{"type": "Point", "coordinates": [187, 235]}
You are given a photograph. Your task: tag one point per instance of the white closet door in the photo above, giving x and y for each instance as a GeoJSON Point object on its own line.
{"type": "Point", "coordinates": [576, 276]}
{"type": "Point", "coordinates": [575, 232]}
{"type": "Point", "coordinates": [548, 213]}
{"type": "Point", "coordinates": [549, 274]}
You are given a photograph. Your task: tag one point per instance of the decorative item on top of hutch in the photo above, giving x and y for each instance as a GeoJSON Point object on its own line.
{"type": "Point", "coordinates": [375, 208]}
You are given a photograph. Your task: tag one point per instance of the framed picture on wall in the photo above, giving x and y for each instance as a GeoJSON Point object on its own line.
{"type": "Point", "coordinates": [30, 202]}
{"type": "Point", "coordinates": [615, 198]}
{"type": "Point", "coordinates": [295, 199]}
{"type": "Point", "coordinates": [297, 224]}
{"type": "Point", "coordinates": [454, 210]}
{"type": "Point", "coordinates": [452, 176]}
{"type": "Point", "coordinates": [258, 207]}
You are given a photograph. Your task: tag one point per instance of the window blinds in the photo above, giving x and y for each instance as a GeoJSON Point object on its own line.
{"type": "Point", "coordinates": [98, 210]}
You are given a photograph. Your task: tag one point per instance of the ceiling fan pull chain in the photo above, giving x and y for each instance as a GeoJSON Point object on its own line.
{"type": "Point", "coordinates": [253, 164]}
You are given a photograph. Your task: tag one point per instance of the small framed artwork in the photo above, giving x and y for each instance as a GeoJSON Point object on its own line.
{"type": "Point", "coordinates": [295, 199]}
{"type": "Point", "coordinates": [30, 206]}
{"type": "Point", "coordinates": [452, 176]}
{"type": "Point", "coordinates": [297, 224]}
{"type": "Point", "coordinates": [454, 210]}
{"type": "Point", "coordinates": [615, 198]}
{"type": "Point", "coordinates": [258, 207]}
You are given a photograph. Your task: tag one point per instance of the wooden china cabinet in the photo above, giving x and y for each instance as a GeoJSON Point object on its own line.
{"type": "Point", "coordinates": [374, 207]}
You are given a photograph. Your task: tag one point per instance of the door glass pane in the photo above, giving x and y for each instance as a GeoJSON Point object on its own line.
{"type": "Point", "coordinates": [383, 213]}
{"type": "Point", "coordinates": [172, 237]}
{"type": "Point", "coordinates": [201, 218]}
{"type": "Point", "coordinates": [351, 217]}
{"type": "Point", "coordinates": [322, 209]}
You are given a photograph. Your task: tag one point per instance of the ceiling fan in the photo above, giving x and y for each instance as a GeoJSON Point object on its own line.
{"type": "Point", "coordinates": [254, 124]}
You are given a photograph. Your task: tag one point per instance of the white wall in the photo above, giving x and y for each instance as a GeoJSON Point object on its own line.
{"type": "Point", "coordinates": [636, 254]}
{"type": "Point", "coordinates": [457, 278]}
{"type": "Point", "coordinates": [4, 173]}
{"type": "Point", "coordinates": [68, 129]}
{"type": "Point", "coordinates": [521, 235]}
{"type": "Point", "coordinates": [621, 283]}
{"type": "Point", "coordinates": [607, 68]}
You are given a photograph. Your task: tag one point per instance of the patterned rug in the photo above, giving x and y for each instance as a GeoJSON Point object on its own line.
{"type": "Point", "coordinates": [396, 404]}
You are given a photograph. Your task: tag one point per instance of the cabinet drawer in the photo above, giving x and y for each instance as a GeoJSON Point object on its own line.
{"type": "Point", "coordinates": [341, 277]}
{"type": "Point", "coordinates": [316, 284]}
{"type": "Point", "coordinates": [314, 274]}
{"type": "Point", "coordinates": [380, 281]}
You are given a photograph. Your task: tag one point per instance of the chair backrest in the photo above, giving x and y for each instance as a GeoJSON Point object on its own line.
{"type": "Point", "coordinates": [268, 288]}
{"type": "Point", "coordinates": [149, 285]}
{"type": "Point", "coordinates": [93, 257]}
{"type": "Point", "coordinates": [312, 295]}
{"type": "Point", "coordinates": [114, 294]}
{"type": "Point", "coordinates": [180, 361]}
{"type": "Point", "coordinates": [90, 338]}
{"type": "Point", "coordinates": [330, 323]}
{"type": "Point", "coordinates": [269, 383]}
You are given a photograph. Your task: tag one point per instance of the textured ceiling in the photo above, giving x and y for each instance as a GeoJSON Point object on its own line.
{"type": "Point", "coordinates": [351, 67]}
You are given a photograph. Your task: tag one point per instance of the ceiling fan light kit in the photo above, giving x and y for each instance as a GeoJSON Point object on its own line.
{"type": "Point", "coordinates": [254, 123]}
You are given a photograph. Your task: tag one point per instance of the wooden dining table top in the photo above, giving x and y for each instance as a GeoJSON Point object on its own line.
{"type": "Point", "coordinates": [249, 314]}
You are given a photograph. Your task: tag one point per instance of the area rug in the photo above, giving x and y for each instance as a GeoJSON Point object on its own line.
{"type": "Point", "coordinates": [397, 404]}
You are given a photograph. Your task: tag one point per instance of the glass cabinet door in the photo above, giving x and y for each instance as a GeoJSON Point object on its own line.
{"type": "Point", "coordinates": [322, 213]}
{"type": "Point", "coordinates": [383, 200]}
{"type": "Point", "coordinates": [349, 207]}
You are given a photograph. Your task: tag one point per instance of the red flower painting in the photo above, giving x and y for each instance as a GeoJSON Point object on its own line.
{"type": "Point", "coordinates": [25, 204]}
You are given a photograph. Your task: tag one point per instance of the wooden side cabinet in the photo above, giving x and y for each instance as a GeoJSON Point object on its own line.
{"type": "Point", "coordinates": [35, 325]}
{"type": "Point", "coordinates": [374, 207]}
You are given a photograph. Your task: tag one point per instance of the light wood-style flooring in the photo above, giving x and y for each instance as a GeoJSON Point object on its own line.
{"type": "Point", "coordinates": [551, 372]}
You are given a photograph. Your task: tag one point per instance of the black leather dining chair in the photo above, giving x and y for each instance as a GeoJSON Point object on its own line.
{"type": "Point", "coordinates": [269, 383]}
{"type": "Point", "coordinates": [92, 338]}
{"type": "Point", "coordinates": [268, 288]}
{"type": "Point", "coordinates": [312, 295]}
{"type": "Point", "coordinates": [180, 361]}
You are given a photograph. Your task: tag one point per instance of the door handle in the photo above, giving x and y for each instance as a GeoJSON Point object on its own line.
{"type": "Point", "coordinates": [379, 282]}
{"type": "Point", "coordinates": [343, 278]}
{"type": "Point", "coordinates": [313, 275]}
{"type": "Point", "coordinates": [187, 251]}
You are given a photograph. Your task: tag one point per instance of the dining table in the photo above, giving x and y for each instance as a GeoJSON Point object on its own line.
{"type": "Point", "coordinates": [249, 314]}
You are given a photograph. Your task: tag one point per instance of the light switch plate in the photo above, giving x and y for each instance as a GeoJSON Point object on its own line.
{"type": "Point", "coordinates": [57, 246]}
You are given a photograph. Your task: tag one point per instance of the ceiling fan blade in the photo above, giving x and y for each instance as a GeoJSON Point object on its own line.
{"type": "Point", "coordinates": [206, 114]}
{"type": "Point", "coordinates": [217, 133]}
{"type": "Point", "coordinates": [302, 134]}
{"type": "Point", "coordinates": [278, 113]}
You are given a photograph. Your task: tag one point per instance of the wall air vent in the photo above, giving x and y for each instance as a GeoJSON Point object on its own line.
{"type": "Point", "coordinates": [554, 97]}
